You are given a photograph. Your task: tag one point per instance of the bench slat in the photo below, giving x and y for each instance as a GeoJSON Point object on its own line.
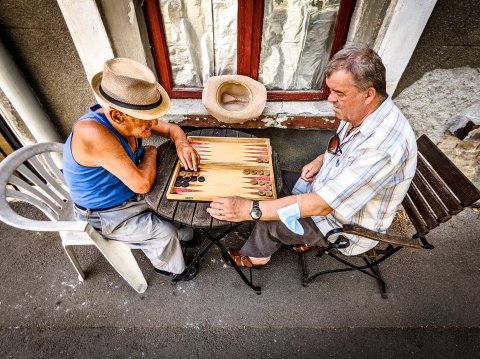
{"type": "Point", "coordinates": [184, 212]}
{"type": "Point", "coordinates": [452, 204]}
{"type": "Point", "coordinates": [414, 216]}
{"type": "Point", "coordinates": [458, 183]}
{"type": "Point", "coordinates": [422, 207]}
{"type": "Point", "coordinates": [166, 168]}
{"type": "Point", "coordinates": [155, 195]}
{"type": "Point", "coordinates": [428, 194]}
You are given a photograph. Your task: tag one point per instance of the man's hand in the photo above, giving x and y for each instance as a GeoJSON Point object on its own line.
{"type": "Point", "coordinates": [185, 152]}
{"type": "Point", "coordinates": [233, 209]}
{"type": "Point", "coordinates": [311, 169]}
{"type": "Point", "coordinates": [187, 155]}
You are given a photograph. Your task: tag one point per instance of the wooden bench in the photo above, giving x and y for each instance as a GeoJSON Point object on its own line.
{"type": "Point", "coordinates": [439, 190]}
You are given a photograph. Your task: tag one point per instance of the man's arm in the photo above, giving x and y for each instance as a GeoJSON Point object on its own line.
{"type": "Point", "coordinates": [237, 209]}
{"type": "Point", "coordinates": [186, 153]}
{"type": "Point", "coordinates": [311, 169]}
{"type": "Point", "coordinates": [94, 145]}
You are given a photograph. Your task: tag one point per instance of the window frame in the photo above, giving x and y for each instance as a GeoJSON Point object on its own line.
{"type": "Point", "coordinates": [249, 37]}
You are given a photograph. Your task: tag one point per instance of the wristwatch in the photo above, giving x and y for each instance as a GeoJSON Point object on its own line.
{"type": "Point", "coordinates": [255, 212]}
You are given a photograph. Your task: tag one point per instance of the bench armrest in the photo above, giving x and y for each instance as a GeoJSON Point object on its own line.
{"type": "Point", "coordinates": [381, 237]}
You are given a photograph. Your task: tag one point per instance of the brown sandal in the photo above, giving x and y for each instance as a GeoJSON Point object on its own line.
{"type": "Point", "coordinates": [301, 248]}
{"type": "Point", "coordinates": [240, 260]}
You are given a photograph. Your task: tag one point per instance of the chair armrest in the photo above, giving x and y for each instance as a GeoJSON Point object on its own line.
{"type": "Point", "coordinates": [13, 219]}
{"type": "Point", "coordinates": [381, 237]}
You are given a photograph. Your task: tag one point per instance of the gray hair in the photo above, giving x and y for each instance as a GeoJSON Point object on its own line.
{"type": "Point", "coordinates": [363, 63]}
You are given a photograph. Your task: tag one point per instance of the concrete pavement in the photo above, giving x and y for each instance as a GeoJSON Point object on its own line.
{"type": "Point", "coordinates": [432, 309]}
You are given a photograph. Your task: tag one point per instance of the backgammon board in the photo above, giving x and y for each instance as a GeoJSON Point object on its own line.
{"type": "Point", "coordinates": [229, 166]}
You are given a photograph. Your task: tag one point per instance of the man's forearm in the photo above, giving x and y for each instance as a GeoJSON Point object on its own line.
{"type": "Point", "coordinates": [171, 131]}
{"type": "Point", "coordinates": [237, 209]}
{"type": "Point", "coordinates": [148, 167]}
{"type": "Point", "coordinates": [319, 159]}
{"type": "Point", "coordinates": [178, 136]}
{"type": "Point", "coordinates": [311, 204]}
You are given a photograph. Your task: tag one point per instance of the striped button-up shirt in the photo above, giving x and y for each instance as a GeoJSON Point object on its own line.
{"type": "Point", "coordinates": [367, 181]}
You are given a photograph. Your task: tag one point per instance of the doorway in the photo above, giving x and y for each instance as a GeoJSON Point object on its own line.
{"type": "Point", "coordinates": [8, 141]}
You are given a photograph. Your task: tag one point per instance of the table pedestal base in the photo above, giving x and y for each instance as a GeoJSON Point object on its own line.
{"type": "Point", "coordinates": [216, 241]}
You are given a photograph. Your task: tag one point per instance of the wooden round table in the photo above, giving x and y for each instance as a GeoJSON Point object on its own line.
{"type": "Point", "coordinates": [192, 213]}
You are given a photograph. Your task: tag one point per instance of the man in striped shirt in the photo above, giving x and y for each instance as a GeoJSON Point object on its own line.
{"type": "Point", "coordinates": [361, 178]}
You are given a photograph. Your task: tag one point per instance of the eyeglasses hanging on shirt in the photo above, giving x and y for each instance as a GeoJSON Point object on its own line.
{"type": "Point", "coordinates": [334, 144]}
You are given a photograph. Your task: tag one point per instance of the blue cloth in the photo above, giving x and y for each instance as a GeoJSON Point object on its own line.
{"type": "Point", "coordinates": [290, 216]}
{"type": "Point", "coordinates": [95, 187]}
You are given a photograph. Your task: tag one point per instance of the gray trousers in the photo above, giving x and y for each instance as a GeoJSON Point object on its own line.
{"type": "Point", "coordinates": [138, 227]}
{"type": "Point", "coordinates": [268, 236]}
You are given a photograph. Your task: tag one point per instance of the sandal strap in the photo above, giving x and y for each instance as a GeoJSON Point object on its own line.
{"type": "Point", "coordinates": [240, 260]}
{"type": "Point", "coordinates": [245, 262]}
{"type": "Point", "coordinates": [300, 248]}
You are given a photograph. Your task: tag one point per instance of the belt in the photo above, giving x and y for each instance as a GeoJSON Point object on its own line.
{"type": "Point", "coordinates": [136, 197]}
{"type": "Point", "coordinates": [94, 209]}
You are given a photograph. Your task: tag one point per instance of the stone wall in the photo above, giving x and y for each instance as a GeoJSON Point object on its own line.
{"type": "Point", "coordinates": [432, 102]}
{"type": "Point", "coordinates": [440, 105]}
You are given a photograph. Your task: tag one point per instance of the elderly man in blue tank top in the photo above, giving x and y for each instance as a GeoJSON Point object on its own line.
{"type": "Point", "coordinates": [107, 169]}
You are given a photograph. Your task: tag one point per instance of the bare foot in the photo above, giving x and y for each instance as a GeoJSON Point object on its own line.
{"type": "Point", "coordinates": [259, 261]}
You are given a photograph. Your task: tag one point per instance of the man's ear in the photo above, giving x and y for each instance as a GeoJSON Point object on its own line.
{"type": "Point", "coordinates": [116, 116]}
{"type": "Point", "coordinates": [371, 94]}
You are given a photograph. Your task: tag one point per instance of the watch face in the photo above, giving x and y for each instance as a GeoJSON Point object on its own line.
{"type": "Point", "coordinates": [256, 213]}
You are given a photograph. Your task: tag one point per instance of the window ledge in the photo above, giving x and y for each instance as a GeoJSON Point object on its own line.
{"type": "Point", "coordinates": [279, 114]}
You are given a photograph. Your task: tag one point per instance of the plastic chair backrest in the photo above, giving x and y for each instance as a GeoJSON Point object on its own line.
{"type": "Point", "coordinates": [30, 175]}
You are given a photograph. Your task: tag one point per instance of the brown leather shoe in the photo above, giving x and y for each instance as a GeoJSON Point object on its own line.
{"type": "Point", "coordinates": [240, 260]}
{"type": "Point", "coordinates": [301, 248]}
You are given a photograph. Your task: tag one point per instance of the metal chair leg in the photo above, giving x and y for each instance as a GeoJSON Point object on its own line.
{"type": "Point", "coordinates": [370, 265]}
{"type": "Point", "coordinates": [378, 276]}
{"type": "Point", "coordinates": [216, 241]}
{"type": "Point", "coordinates": [303, 263]}
{"type": "Point", "coordinates": [226, 257]}
{"type": "Point", "coordinates": [426, 244]}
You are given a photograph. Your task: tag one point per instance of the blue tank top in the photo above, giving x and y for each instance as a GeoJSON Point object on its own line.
{"type": "Point", "coordinates": [95, 187]}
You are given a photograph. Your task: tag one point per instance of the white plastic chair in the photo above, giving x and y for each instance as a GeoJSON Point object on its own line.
{"type": "Point", "coordinates": [42, 185]}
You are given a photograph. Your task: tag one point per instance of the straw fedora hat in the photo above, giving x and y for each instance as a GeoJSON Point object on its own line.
{"type": "Point", "coordinates": [234, 98]}
{"type": "Point", "coordinates": [131, 88]}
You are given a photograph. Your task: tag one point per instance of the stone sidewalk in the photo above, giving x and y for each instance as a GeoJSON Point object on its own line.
{"type": "Point", "coordinates": [431, 311]}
